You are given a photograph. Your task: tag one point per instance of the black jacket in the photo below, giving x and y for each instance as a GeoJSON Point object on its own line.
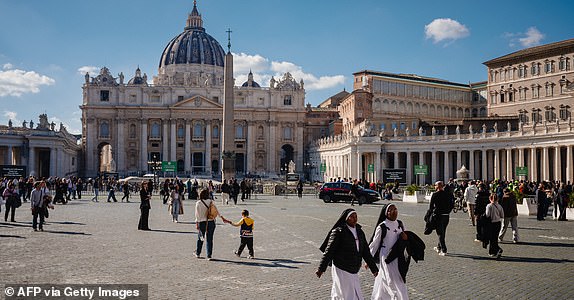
{"type": "Point", "coordinates": [342, 251]}
{"type": "Point", "coordinates": [415, 248]}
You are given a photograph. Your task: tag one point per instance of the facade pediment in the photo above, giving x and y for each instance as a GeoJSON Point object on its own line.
{"type": "Point", "coordinates": [197, 101]}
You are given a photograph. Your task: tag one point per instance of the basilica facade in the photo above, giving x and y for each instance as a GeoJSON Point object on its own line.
{"type": "Point", "coordinates": [128, 125]}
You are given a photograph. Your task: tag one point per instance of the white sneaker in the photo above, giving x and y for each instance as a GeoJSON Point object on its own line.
{"type": "Point", "coordinates": [442, 253]}
{"type": "Point", "coordinates": [436, 249]}
{"type": "Point", "coordinates": [250, 257]}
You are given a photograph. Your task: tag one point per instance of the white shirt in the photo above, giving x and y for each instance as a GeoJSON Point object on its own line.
{"type": "Point", "coordinates": [201, 210]}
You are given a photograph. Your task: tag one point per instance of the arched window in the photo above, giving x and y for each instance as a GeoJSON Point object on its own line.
{"type": "Point", "coordinates": [155, 130]}
{"type": "Point", "coordinates": [104, 129]}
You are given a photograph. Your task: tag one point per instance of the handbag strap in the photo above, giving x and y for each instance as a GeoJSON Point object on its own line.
{"type": "Point", "coordinates": [207, 212]}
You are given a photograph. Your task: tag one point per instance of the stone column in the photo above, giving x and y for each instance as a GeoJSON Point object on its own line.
{"type": "Point", "coordinates": [458, 159]}
{"type": "Point", "coordinates": [509, 164]}
{"type": "Point", "coordinates": [32, 160]}
{"type": "Point", "coordinates": [484, 165]}
{"type": "Point", "coordinates": [557, 164]}
{"type": "Point", "coordinates": [434, 158]}
{"type": "Point", "coordinates": [298, 146]}
{"type": "Point", "coordinates": [533, 165]}
{"type": "Point", "coordinates": [172, 140]}
{"type": "Point", "coordinates": [10, 156]}
{"type": "Point", "coordinates": [396, 158]}
{"type": "Point", "coordinates": [569, 176]}
{"type": "Point", "coordinates": [54, 162]}
{"type": "Point", "coordinates": [90, 156]}
{"type": "Point", "coordinates": [165, 142]}
{"type": "Point", "coordinates": [544, 164]}
{"type": "Point", "coordinates": [120, 150]}
{"type": "Point", "coordinates": [359, 166]}
{"type": "Point", "coordinates": [496, 174]}
{"type": "Point", "coordinates": [378, 165]}
{"type": "Point", "coordinates": [187, 145]}
{"type": "Point", "coordinates": [272, 163]}
{"type": "Point", "coordinates": [421, 162]}
{"type": "Point", "coordinates": [208, 146]}
{"type": "Point", "coordinates": [471, 164]}
{"type": "Point", "coordinates": [447, 172]}
{"type": "Point", "coordinates": [409, 165]}
{"type": "Point", "coordinates": [143, 141]}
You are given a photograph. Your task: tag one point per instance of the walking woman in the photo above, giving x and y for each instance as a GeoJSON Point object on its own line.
{"type": "Point", "coordinates": [205, 214]}
{"type": "Point", "coordinates": [389, 284]}
{"type": "Point", "coordinates": [176, 205]}
{"type": "Point", "coordinates": [145, 206]}
{"type": "Point", "coordinates": [12, 202]}
{"type": "Point", "coordinates": [495, 212]}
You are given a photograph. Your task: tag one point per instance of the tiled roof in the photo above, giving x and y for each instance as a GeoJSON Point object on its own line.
{"type": "Point", "coordinates": [524, 53]}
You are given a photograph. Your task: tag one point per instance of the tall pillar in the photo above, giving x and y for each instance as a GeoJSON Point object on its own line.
{"type": "Point", "coordinates": [172, 140]}
{"type": "Point", "coordinates": [377, 165]}
{"type": "Point", "coordinates": [471, 164]}
{"type": "Point", "coordinates": [54, 162]}
{"type": "Point", "coordinates": [569, 177]}
{"type": "Point", "coordinates": [421, 162]}
{"type": "Point", "coordinates": [187, 145]}
{"type": "Point", "coordinates": [272, 163]}
{"type": "Point", "coordinates": [434, 159]}
{"type": "Point", "coordinates": [32, 161]}
{"type": "Point", "coordinates": [533, 165]}
{"type": "Point", "coordinates": [165, 142]}
{"type": "Point", "coordinates": [409, 166]}
{"type": "Point", "coordinates": [509, 164]}
{"type": "Point", "coordinates": [120, 150]}
{"type": "Point", "coordinates": [298, 146]}
{"type": "Point", "coordinates": [359, 165]}
{"type": "Point", "coordinates": [447, 172]}
{"type": "Point", "coordinates": [208, 146]}
{"type": "Point", "coordinates": [228, 135]}
{"type": "Point", "coordinates": [484, 165]}
{"type": "Point", "coordinates": [544, 164]}
{"type": "Point", "coordinates": [143, 141]}
{"type": "Point", "coordinates": [496, 174]}
{"type": "Point", "coordinates": [557, 164]}
{"type": "Point", "coordinates": [10, 156]}
{"type": "Point", "coordinates": [458, 159]}
{"type": "Point", "coordinates": [251, 147]}
{"type": "Point", "coordinates": [396, 158]}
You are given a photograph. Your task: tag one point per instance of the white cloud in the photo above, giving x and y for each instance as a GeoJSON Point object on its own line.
{"type": "Point", "coordinates": [533, 37]}
{"type": "Point", "coordinates": [17, 82]}
{"type": "Point", "coordinates": [13, 116]}
{"type": "Point", "coordinates": [263, 70]}
{"type": "Point", "coordinates": [90, 69]}
{"type": "Point", "coordinates": [445, 29]}
{"type": "Point", "coordinates": [7, 66]}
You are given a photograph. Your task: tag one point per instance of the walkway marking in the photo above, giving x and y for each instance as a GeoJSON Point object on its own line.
{"type": "Point", "coordinates": [557, 237]}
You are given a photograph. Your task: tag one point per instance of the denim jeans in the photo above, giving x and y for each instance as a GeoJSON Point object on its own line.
{"type": "Point", "coordinates": [208, 236]}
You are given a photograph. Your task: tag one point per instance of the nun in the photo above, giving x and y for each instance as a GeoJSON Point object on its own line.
{"type": "Point", "coordinates": [345, 246]}
{"type": "Point", "coordinates": [389, 284]}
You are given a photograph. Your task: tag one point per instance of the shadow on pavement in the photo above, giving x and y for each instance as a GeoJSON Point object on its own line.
{"type": "Point", "coordinates": [173, 231]}
{"type": "Point", "coordinates": [256, 262]}
{"type": "Point", "coordinates": [547, 244]}
{"type": "Point", "coordinates": [66, 232]}
{"type": "Point", "coordinates": [66, 223]}
{"type": "Point", "coordinates": [512, 258]}
{"type": "Point", "coordinates": [11, 236]}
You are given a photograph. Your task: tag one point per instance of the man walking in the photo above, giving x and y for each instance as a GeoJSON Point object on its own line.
{"type": "Point", "coordinates": [508, 203]}
{"type": "Point", "coordinates": [441, 204]}
{"type": "Point", "coordinates": [354, 192]}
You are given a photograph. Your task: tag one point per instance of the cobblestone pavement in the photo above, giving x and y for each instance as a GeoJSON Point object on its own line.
{"type": "Point", "coordinates": [96, 243]}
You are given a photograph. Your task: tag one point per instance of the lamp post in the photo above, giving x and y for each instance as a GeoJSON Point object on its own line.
{"type": "Point", "coordinates": [154, 167]}
{"type": "Point", "coordinates": [307, 166]}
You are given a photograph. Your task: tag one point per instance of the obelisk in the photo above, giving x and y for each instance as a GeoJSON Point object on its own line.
{"type": "Point", "coordinates": [227, 137]}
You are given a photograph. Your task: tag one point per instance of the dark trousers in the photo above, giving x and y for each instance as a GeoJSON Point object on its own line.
{"type": "Point", "coordinates": [562, 205]}
{"type": "Point", "coordinates": [540, 209]}
{"type": "Point", "coordinates": [493, 238]}
{"type": "Point", "coordinates": [112, 195]}
{"type": "Point", "coordinates": [144, 217]}
{"type": "Point", "coordinates": [246, 241]}
{"type": "Point", "coordinates": [206, 231]}
{"type": "Point", "coordinates": [441, 224]}
{"type": "Point", "coordinates": [126, 196]}
{"type": "Point", "coordinates": [38, 211]}
{"type": "Point", "coordinates": [9, 207]}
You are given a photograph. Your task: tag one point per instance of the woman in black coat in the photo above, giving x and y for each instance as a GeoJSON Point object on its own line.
{"type": "Point", "coordinates": [145, 206]}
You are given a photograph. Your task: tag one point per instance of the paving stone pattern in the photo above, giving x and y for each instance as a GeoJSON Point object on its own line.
{"type": "Point", "coordinates": [96, 243]}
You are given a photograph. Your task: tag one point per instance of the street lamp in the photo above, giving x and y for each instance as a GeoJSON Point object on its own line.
{"type": "Point", "coordinates": [154, 163]}
{"type": "Point", "coordinates": [307, 166]}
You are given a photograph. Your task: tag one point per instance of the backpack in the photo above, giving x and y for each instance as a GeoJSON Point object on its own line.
{"type": "Point", "coordinates": [383, 235]}
{"type": "Point", "coordinates": [211, 210]}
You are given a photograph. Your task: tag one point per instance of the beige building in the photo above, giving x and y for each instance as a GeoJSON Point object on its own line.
{"type": "Point", "coordinates": [417, 120]}
{"type": "Point", "coordinates": [179, 116]}
{"type": "Point", "coordinates": [40, 147]}
{"type": "Point", "coordinates": [534, 83]}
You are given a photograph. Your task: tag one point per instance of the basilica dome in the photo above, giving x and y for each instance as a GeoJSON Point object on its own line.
{"type": "Point", "coordinates": [193, 45]}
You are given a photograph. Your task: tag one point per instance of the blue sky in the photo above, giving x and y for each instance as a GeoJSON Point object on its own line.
{"type": "Point", "coordinates": [45, 46]}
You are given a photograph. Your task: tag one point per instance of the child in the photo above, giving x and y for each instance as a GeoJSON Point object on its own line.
{"type": "Point", "coordinates": [246, 233]}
